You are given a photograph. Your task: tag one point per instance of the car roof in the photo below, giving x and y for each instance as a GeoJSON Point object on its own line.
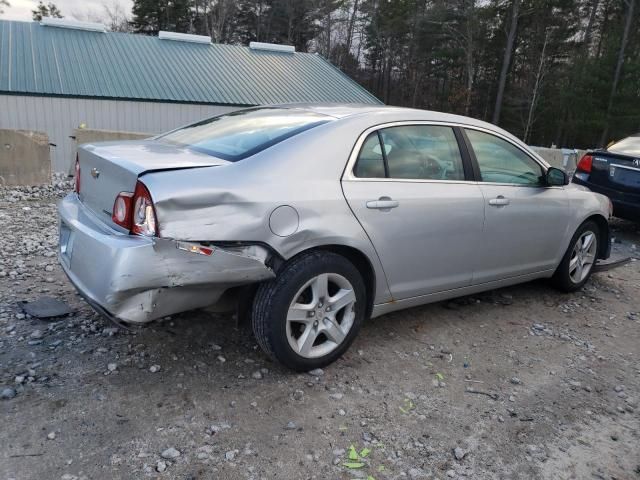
{"type": "Point", "coordinates": [336, 110]}
{"type": "Point", "coordinates": [345, 110]}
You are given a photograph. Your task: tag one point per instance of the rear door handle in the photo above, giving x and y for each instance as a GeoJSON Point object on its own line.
{"type": "Point", "coordinates": [499, 201]}
{"type": "Point", "coordinates": [383, 203]}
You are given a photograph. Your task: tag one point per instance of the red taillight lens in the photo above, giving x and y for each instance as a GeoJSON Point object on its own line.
{"type": "Point", "coordinates": [585, 163]}
{"type": "Point", "coordinates": [135, 211]}
{"type": "Point", "coordinates": [76, 187]}
{"type": "Point", "coordinates": [143, 213]}
{"type": "Point", "coordinates": [122, 210]}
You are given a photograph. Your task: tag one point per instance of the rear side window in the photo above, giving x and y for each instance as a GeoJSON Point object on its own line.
{"type": "Point", "coordinates": [238, 135]}
{"type": "Point", "coordinates": [426, 152]}
{"type": "Point", "coordinates": [370, 163]}
{"type": "Point", "coordinates": [419, 152]}
{"type": "Point", "coordinates": [628, 146]}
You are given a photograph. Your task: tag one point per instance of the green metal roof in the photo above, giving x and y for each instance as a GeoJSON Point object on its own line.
{"type": "Point", "coordinates": [45, 60]}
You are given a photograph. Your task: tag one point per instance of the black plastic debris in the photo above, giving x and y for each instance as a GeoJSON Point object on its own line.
{"type": "Point", "coordinates": [45, 307]}
{"type": "Point", "coordinates": [610, 264]}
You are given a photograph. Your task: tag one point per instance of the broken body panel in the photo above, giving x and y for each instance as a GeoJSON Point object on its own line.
{"type": "Point", "coordinates": [137, 279]}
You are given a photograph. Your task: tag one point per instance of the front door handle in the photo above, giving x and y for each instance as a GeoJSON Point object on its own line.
{"type": "Point", "coordinates": [383, 203]}
{"type": "Point", "coordinates": [499, 201]}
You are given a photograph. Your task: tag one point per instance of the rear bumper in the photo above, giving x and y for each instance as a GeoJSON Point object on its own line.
{"type": "Point", "coordinates": [625, 205]}
{"type": "Point", "coordinates": [138, 279]}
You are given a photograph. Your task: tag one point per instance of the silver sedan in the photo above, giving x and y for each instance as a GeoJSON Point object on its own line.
{"type": "Point", "coordinates": [308, 219]}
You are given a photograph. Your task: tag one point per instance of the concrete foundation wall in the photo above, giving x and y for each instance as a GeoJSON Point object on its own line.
{"type": "Point", "coordinates": [563, 158]}
{"type": "Point", "coordinates": [86, 135]}
{"type": "Point", "coordinates": [24, 158]}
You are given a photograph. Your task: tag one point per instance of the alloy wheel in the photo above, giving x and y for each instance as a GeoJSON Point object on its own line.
{"type": "Point", "coordinates": [583, 256]}
{"type": "Point", "coordinates": [321, 315]}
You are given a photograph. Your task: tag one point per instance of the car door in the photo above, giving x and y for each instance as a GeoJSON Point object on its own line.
{"type": "Point", "coordinates": [409, 188]}
{"type": "Point", "coordinates": [525, 220]}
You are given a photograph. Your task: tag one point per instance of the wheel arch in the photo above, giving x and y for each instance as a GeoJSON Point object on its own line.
{"type": "Point", "coordinates": [360, 261]}
{"type": "Point", "coordinates": [604, 248]}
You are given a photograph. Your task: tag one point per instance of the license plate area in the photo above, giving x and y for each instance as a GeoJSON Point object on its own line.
{"type": "Point", "coordinates": [66, 242]}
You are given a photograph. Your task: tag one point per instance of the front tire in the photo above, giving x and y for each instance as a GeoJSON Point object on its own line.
{"type": "Point", "coordinates": [310, 313]}
{"type": "Point", "coordinates": [577, 264]}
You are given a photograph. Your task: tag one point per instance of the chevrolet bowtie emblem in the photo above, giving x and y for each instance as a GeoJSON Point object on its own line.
{"type": "Point", "coordinates": [95, 173]}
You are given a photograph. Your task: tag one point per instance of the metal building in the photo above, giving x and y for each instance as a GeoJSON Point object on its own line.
{"type": "Point", "coordinates": [59, 74]}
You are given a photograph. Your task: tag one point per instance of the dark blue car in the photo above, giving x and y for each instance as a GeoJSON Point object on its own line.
{"type": "Point", "coordinates": [614, 172]}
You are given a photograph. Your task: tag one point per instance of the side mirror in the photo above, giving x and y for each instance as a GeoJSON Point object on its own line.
{"type": "Point", "coordinates": [556, 177]}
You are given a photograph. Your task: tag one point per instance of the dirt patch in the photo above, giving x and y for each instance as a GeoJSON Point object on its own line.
{"type": "Point", "coordinates": [554, 385]}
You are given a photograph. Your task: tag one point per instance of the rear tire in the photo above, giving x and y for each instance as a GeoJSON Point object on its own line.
{"type": "Point", "coordinates": [578, 261]}
{"type": "Point", "coordinates": [307, 316]}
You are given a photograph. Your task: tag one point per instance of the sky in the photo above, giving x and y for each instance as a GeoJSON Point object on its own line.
{"type": "Point", "coordinates": [78, 9]}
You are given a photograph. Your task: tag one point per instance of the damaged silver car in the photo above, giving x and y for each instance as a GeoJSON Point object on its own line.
{"type": "Point", "coordinates": [312, 218]}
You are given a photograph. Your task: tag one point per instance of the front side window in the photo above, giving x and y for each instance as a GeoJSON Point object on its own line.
{"type": "Point", "coordinates": [419, 152]}
{"type": "Point", "coordinates": [238, 135]}
{"type": "Point", "coordinates": [501, 162]}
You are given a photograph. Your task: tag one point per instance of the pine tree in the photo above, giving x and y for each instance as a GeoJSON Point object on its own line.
{"type": "Point", "coordinates": [48, 10]}
{"type": "Point", "coordinates": [151, 16]}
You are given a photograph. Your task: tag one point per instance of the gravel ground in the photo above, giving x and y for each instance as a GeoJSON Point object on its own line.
{"type": "Point", "coordinates": [519, 383]}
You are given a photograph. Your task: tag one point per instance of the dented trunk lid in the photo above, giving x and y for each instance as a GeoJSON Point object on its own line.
{"type": "Point", "coordinates": [108, 168]}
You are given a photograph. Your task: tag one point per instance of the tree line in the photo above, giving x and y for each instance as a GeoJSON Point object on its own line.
{"type": "Point", "coordinates": [553, 72]}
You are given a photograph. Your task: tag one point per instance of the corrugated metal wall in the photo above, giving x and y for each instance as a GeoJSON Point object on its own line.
{"type": "Point", "coordinates": [58, 117]}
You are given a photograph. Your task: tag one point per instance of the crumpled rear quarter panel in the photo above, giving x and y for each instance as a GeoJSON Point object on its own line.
{"type": "Point", "coordinates": [137, 279]}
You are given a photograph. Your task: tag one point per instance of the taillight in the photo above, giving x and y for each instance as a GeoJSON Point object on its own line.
{"type": "Point", "coordinates": [123, 210]}
{"type": "Point", "coordinates": [135, 211]}
{"type": "Point", "coordinates": [76, 186]}
{"type": "Point", "coordinates": [585, 163]}
{"type": "Point", "coordinates": [143, 213]}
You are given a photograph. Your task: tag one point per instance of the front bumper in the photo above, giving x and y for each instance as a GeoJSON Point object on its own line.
{"type": "Point", "coordinates": [137, 279]}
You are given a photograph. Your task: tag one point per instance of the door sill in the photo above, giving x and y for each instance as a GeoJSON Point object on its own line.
{"type": "Point", "coordinates": [393, 305]}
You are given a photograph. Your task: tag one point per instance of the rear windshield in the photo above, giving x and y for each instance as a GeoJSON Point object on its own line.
{"type": "Point", "coordinates": [628, 146]}
{"type": "Point", "coordinates": [238, 135]}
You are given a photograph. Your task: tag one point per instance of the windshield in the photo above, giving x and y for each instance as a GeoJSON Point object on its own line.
{"type": "Point", "coordinates": [238, 135]}
{"type": "Point", "coordinates": [628, 146]}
